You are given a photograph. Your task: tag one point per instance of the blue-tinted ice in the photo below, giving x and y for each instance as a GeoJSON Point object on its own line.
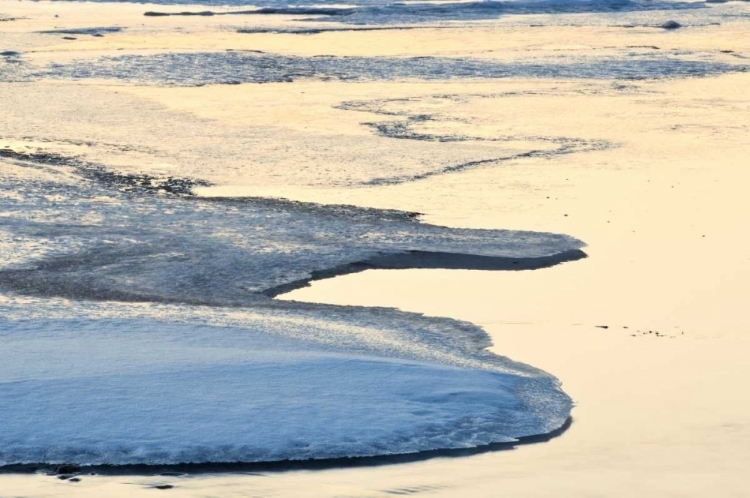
{"type": "Point", "coordinates": [138, 327]}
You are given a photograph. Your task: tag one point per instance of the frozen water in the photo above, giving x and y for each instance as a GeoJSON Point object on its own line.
{"type": "Point", "coordinates": [92, 381]}
{"type": "Point", "coordinates": [548, 12]}
{"type": "Point", "coordinates": [138, 322]}
{"type": "Point", "coordinates": [144, 391]}
{"type": "Point", "coordinates": [201, 68]}
{"type": "Point", "coordinates": [220, 252]}
{"type": "Point", "coordinates": [83, 31]}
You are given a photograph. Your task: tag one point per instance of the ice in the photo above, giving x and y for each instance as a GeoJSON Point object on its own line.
{"type": "Point", "coordinates": [221, 251]}
{"type": "Point", "coordinates": [83, 31]}
{"type": "Point", "coordinates": [142, 391]}
{"type": "Point", "coordinates": [138, 326]}
{"type": "Point", "coordinates": [137, 320]}
{"type": "Point", "coordinates": [380, 12]}
{"type": "Point", "coordinates": [203, 68]}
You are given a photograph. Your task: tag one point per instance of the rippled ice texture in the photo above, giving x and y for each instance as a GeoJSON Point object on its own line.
{"type": "Point", "coordinates": [146, 391]}
{"type": "Point", "coordinates": [80, 241]}
{"type": "Point", "coordinates": [190, 69]}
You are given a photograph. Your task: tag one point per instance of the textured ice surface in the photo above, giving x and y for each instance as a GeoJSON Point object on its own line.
{"type": "Point", "coordinates": [136, 321]}
{"type": "Point", "coordinates": [384, 12]}
{"type": "Point", "coordinates": [395, 13]}
{"type": "Point", "coordinates": [625, 13]}
{"type": "Point", "coordinates": [80, 241]}
{"type": "Point", "coordinates": [145, 391]}
{"type": "Point", "coordinates": [201, 68]}
{"type": "Point", "coordinates": [95, 381]}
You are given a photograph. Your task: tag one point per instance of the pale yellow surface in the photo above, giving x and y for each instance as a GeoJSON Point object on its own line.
{"type": "Point", "coordinates": [664, 214]}
{"type": "Point", "coordinates": [506, 38]}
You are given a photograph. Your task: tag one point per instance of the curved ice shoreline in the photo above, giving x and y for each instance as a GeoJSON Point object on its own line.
{"type": "Point", "coordinates": [221, 372]}
{"type": "Point", "coordinates": [145, 392]}
{"type": "Point", "coordinates": [225, 252]}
